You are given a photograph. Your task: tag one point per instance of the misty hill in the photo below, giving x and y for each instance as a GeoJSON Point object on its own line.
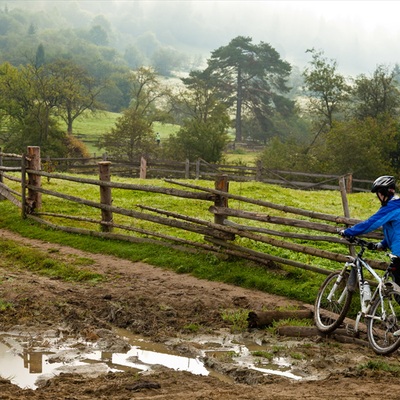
{"type": "Point", "coordinates": [125, 33]}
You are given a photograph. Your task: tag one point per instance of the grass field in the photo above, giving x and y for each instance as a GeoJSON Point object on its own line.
{"type": "Point", "coordinates": [293, 283]}
{"type": "Point", "coordinates": [89, 128]}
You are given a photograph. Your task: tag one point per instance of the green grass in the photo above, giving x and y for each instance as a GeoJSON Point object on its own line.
{"type": "Point", "coordinates": [18, 256]}
{"type": "Point", "coordinates": [263, 354]}
{"type": "Point", "coordinates": [237, 319]}
{"type": "Point", "coordinates": [91, 127]}
{"type": "Point", "coordinates": [382, 366]}
{"type": "Point", "coordinates": [286, 281]}
{"type": "Point", "coordinates": [4, 305]}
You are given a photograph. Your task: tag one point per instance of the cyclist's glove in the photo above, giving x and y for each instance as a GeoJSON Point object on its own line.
{"type": "Point", "coordinates": [374, 246]}
{"type": "Point", "coordinates": [347, 237]}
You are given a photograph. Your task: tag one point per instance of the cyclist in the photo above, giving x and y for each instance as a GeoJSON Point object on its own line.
{"type": "Point", "coordinates": [387, 217]}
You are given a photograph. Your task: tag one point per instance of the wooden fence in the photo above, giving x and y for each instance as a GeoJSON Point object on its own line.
{"type": "Point", "coordinates": [201, 169]}
{"type": "Point", "coordinates": [224, 233]}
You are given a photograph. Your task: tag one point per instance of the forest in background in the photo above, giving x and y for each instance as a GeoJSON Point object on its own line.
{"type": "Point", "coordinates": [61, 60]}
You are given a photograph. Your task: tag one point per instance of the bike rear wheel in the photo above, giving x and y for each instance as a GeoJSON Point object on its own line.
{"type": "Point", "coordinates": [332, 302]}
{"type": "Point", "coordinates": [382, 322]}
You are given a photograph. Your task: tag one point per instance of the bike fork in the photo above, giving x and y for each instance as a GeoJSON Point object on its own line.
{"type": "Point", "coordinates": [335, 286]}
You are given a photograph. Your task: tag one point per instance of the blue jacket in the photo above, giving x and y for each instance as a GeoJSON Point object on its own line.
{"type": "Point", "coordinates": [387, 217]}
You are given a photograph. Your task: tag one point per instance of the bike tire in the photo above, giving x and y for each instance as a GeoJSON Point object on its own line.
{"type": "Point", "coordinates": [330, 314]}
{"type": "Point", "coordinates": [382, 321]}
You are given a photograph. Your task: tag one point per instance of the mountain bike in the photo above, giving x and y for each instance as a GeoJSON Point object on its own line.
{"type": "Point", "coordinates": [380, 310]}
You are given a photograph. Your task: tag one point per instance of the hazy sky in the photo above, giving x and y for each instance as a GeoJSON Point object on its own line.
{"type": "Point", "coordinates": [358, 34]}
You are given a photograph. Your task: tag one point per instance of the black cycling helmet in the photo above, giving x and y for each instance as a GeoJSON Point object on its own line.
{"type": "Point", "coordinates": [386, 186]}
{"type": "Point", "coordinates": [383, 182]}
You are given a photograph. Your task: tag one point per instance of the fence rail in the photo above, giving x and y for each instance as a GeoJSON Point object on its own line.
{"type": "Point", "coordinates": [201, 169]}
{"type": "Point", "coordinates": [224, 231]}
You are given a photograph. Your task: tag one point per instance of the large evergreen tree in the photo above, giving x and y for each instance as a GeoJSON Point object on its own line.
{"type": "Point", "coordinates": [249, 76]}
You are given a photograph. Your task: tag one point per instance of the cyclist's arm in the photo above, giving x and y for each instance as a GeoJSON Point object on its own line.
{"type": "Point", "coordinates": [372, 223]}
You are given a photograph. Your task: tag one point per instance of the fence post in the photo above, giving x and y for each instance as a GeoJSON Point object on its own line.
{"type": "Point", "coordinates": [143, 168]}
{"type": "Point", "coordinates": [34, 199]}
{"type": "Point", "coordinates": [259, 167]}
{"type": "Point", "coordinates": [198, 168]}
{"type": "Point", "coordinates": [24, 207]}
{"type": "Point", "coordinates": [187, 169]}
{"type": "Point", "coordinates": [343, 192]}
{"type": "Point", "coordinates": [349, 183]}
{"type": "Point", "coordinates": [1, 172]}
{"type": "Point", "coordinates": [221, 184]}
{"type": "Point", "coordinates": [105, 195]}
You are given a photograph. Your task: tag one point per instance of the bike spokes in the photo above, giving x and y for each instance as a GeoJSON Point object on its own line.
{"type": "Point", "coordinates": [383, 324]}
{"type": "Point", "coordinates": [332, 303]}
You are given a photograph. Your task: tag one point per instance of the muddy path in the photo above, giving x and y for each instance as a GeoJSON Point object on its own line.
{"type": "Point", "coordinates": [163, 307]}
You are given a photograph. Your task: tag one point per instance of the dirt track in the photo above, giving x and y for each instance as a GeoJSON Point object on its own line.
{"type": "Point", "coordinates": [159, 304]}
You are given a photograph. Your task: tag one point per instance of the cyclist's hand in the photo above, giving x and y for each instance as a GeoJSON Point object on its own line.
{"type": "Point", "coordinates": [347, 237]}
{"type": "Point", "coordinates": [374, 246]}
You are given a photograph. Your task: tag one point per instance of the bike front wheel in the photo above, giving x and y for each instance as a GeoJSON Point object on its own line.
{"type": "Point", "coordinates": [383, 324]}
{"type": "Point", "coordinates": [332, 302]}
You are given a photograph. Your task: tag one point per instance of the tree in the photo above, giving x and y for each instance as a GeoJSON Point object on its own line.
{"type": "Point", "coordinates": [204, 121]}
{"type": "Point", "coordinates": [147, 95]}
{"type": "Point", "coordinates": [378, 95]}
{"type": "Point", "coordinates": [248, 76]}
{"type": "Point", "coordinates": [366, 148]}
{"type": "Point", "coordinates": [131, 138]}
{"type": "Point", "coordinates": [78, 91]}
{"type": "Point", "coordinates": [199, 139]}
{"type": "Point", "coordinates": [31, 96]}
{"type": "Point", "coordinates": [98, 35]}
{"type": "Point", "coordinates": [327, 90]}
{"type": "Point", "coordinates": [165, 60]}
{"type": "Point", "coordinates": [40, 56]}
{"type": "Point", "coordinates": [275, 156]}
{"type": "Point", "coordinates": [133, 135]}
{"type": "Point", "coordinates": [28, 100]}
{"type": "Point", "coordinates": [133, 57]}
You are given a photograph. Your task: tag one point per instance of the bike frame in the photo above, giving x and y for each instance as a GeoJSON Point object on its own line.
{"type": "Point", "coordinates": [380, 309]}
{"type": "Point", "coordinates": [358, 263]}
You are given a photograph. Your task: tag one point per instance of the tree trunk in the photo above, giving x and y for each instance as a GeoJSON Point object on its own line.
{"type": "Point", "coordinates": [238, 122]}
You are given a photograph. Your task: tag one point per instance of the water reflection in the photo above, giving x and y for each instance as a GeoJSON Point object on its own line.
{"type": "Point", "coordinates": [24, 368]}
{"type": "Point", "coordinates": [26, 364]}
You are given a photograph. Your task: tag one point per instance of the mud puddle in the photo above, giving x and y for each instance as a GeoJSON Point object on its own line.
{"type": "Point", "coordinates": [30, 359]}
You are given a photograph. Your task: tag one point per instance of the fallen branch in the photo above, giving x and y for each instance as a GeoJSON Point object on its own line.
{"type": "Point", "coordinates": [266, 318]}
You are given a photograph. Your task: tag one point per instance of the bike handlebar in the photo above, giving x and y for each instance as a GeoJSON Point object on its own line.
{"type": "Point", "coordinates": [360, 242]}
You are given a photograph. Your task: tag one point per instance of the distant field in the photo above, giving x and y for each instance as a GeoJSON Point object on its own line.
{"type": "Point", "coordinates": [91, 127]}
{"type": "Point", "coordinates": [241, 158]}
